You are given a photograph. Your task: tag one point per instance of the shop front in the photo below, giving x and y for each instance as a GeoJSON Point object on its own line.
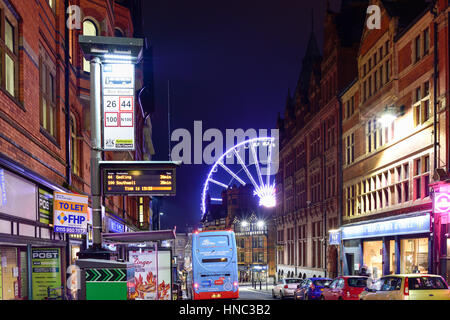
{"type": "Point", "coordinates": [395, 245]}
{"type": "Point", "coordinates": [27, 240]}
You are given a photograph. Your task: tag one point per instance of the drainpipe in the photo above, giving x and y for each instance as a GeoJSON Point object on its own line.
{"type": "Point", "coordinates": [66, 98]}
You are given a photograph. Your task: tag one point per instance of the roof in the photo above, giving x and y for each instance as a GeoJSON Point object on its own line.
{"type": "Point", "coordinates": [142, 236]}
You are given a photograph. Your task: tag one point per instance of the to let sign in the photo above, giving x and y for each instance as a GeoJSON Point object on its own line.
{"type": "Point", "coordinates": [118, 107]}
{"type": "Point", "coordinates": [70, 213]}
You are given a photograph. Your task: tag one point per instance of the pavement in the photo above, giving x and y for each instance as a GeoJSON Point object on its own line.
{"type": "Point", "coordinates": [264, 288]}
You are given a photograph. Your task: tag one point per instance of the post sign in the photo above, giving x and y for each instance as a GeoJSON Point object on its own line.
{"type": "Point", "coordinates": [46, 271]}
{"type": "Point", "coordinates": [70, 213]}
{"type": "Point", "coordinates": [118, 82]}
{"type": "Point", "coordinates": [45, 206]}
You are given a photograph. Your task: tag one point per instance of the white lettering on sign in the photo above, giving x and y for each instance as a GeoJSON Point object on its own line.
{"type": "Point", "coordinates": [118, 106]}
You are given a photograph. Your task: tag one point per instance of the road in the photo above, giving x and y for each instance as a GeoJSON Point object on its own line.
{"type": "Point", "coordinates": [248, 293]}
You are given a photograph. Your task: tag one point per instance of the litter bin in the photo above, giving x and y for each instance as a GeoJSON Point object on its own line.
{"type": "Point", "coordinates": [105, 279]}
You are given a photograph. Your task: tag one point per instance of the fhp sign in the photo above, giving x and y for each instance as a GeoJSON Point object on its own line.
{"type": "Point", "coordinates": [70, 213]}
{"type": "Point", "coordinates": [118, 107]}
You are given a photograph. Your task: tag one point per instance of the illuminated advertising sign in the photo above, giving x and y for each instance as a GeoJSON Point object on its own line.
{"type": "Point", "coordinates": [441, 202]}
{"type": "Point", "coordinates": [115, 226]}
{"type": "Point", "coordinates": [118, 107]}
{"type": "Point", "coordinates": [410, 225]}
{"type": "Point", "coordinates": [2, 188]}
{"type": "Point", "coordinates": [70, 213]}
{"type": "Point", "coordinates": [335, 238]}
{"type": "Point", "coordinates": [138, 182]}
{"type": "Point", "coordinates": [45, 206]}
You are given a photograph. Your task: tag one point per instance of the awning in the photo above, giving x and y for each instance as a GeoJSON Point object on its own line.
{"type": "Point", "coordinates": [142, 236]}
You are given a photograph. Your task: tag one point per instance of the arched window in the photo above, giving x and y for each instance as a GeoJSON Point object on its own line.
{"type": "Point", "coordinates": [89, 29]}
{"type": "Point", "coordinates": [74, 145]}
{"type": "Point", "coordinates": [118, 33]}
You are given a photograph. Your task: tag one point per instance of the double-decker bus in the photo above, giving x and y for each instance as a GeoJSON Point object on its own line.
{"type": "Point", "coordinates": [213, 273]}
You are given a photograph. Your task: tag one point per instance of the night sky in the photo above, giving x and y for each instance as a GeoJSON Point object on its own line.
{"type": "Point", "coordinates": [230, 65]}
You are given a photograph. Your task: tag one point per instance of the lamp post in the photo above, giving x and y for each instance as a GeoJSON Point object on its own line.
{"type": "Point", "coordinates": [100, 50]}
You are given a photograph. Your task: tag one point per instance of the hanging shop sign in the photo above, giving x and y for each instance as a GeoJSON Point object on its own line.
{"type": "Point", "coordinates": [46, 271]}
{"type": "Point", "coordinates": [335, 237]}
{"type": "Point", "coordinates": [70, 213]}
{"type": "Point", "coordinates": [441, 202]}
{"type": "Point", "coordinates": [410, 225]}
{"type": "Point", "coordinates": [118, 107]}
{"type": "Point", "coordinates": [45, 206]}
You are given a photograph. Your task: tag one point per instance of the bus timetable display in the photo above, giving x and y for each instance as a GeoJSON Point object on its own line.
{"type": "Point", "coordinates": [138, 182]}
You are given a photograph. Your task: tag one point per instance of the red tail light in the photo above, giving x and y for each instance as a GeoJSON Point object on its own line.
{"type": "Point", "coordinates": [285, 286]}
{"type": "Point", "coordinates": [235, 283]}
{"type": "Point", "coordinates": [406, 289]}
{"type": "Point", "coordinates": [312, 286]}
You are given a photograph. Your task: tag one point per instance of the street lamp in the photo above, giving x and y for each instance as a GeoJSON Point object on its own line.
{"type": "Point", "coordinates": [260, 224]}
{"type": "Point", "coordinates": [100, 50]}
{"type": "Point", "coordinates": [390, 114]}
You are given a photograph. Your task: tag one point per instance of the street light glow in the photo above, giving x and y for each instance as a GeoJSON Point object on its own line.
{"type": "Point", "coordinates": [244, 223]}
{"type": "Point", "coordinates": [387, 119]}
{"type": "Point", "coordinates": [260, 224]}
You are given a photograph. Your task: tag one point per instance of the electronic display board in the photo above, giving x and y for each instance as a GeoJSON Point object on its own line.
{"type": "Point", "coordinates": [138, 180]}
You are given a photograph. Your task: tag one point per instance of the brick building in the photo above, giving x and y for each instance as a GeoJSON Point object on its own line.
{"type": "Point", "coordinates": [44, 129]}
{"type": "Point", "coordinates": [308, 181]}
{"type": "Point", "coordinates": [395, 137]}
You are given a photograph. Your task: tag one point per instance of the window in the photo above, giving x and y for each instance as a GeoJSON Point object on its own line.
{"type": "Point", "coordinates": [9, 54]}
{"type": "Point", "coordinates": [421, 106]}
{"type": "Point", "coordinates": [118, 33]}
{"type": "Point", "coordinates": [421, 177]}
{"type": "Point", "coordinates": [47, 96]}
{"type": "Point", "coordinates": [417, 48]}
{"type": "Point", "coordinates": [414, 255]}
{"type": "Point", "coordinates": [74, 145]}
{"type": "Point", "coordinates": [388, 68]}
{"type": "Point", "coordinates": [350, 148]}
{"type": "Point", "coordinates": [89, 29]}
{"type": "Point", "coordinates": [141, 211]}
{"type": "Point", "coordinates": [426, 41]}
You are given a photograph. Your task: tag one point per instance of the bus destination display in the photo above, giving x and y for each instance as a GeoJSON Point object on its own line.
{"type": "Point", "coordinates": [139, 182]}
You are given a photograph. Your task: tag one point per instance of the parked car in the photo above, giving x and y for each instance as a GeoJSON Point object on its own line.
{"type": "Point", "coordinates": [408, 287]}
{"type": "Point", "coordinates": [286, 287]}
{"type": "Point", "coordinates": [312, 288]}
{"type": "Point", "coordinates": [345, 288]}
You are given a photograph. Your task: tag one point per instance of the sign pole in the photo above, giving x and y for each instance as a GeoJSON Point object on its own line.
{"type": "Point", "coordinates": [96, 151]}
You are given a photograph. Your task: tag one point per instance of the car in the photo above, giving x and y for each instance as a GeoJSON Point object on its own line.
{"type": "Point", "coordinates": [408, 287]}
{"type": "Point", "coordinates": [344, 288]}
{"type": "Point", "coordinates": [285, 287]}
{"type": "Point", "coordinates": [312, 288]}
{"type": "Point", "coordinates": [298, 292]}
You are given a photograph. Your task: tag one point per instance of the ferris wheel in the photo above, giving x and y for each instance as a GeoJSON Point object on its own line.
{"type": "Point", "coordinates": [248, 162]}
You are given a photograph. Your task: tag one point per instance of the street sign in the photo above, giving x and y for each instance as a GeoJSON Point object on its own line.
{"type": "Point", "coordinates": [118, 107]}
{"type": "Point", "coordinates": [138, 178]}
{"type": "Point", "coordinates": [335, 238]}
{"type": "Point", "coordinates": [70, 213]}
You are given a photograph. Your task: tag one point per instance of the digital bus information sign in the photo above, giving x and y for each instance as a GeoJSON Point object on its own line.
{"type": "Point", "coordinates": [138, 180]}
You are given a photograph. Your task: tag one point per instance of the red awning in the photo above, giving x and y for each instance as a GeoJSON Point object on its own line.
{"type": "Point", "coordinates": [142, 236]}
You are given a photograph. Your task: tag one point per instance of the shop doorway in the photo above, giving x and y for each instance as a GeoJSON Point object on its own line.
{"type": "Point", "coordinates": [350, 258]}
{"type": "Point", "coordinates": [373, 257]}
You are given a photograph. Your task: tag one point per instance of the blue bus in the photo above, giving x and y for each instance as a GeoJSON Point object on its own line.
{"type": "Point", "coordinates": [214, 273]}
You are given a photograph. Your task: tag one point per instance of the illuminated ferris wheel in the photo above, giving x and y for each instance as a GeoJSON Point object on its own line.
{"type": "Point", "coordinates": [248, 162]}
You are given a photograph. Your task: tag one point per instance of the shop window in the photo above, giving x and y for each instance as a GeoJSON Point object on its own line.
{"type": "Point", "coordinates": [414, 255]}
{"type": "Point", "coordinates": [9, 271]}
{"type": "Point", "coordinates": [372, 257]}
{"type": "Point", "coordinates": [392, 261]}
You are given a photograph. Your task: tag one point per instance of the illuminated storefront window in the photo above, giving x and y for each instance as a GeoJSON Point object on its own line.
{"type": "Point", "coordinates": [392, 261]}
{"type": "Point", "coordinates": [372, 257]}
{"type": "Point", "coordinates": [414, 255]}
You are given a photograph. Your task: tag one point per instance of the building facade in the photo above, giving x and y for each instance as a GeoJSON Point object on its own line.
{"type": "Point", "coordinates": [395, 138]}
{"type": "Point", "coordinates": [308, 182]}
{"type": "Point", "coordinates": [45, 134]}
